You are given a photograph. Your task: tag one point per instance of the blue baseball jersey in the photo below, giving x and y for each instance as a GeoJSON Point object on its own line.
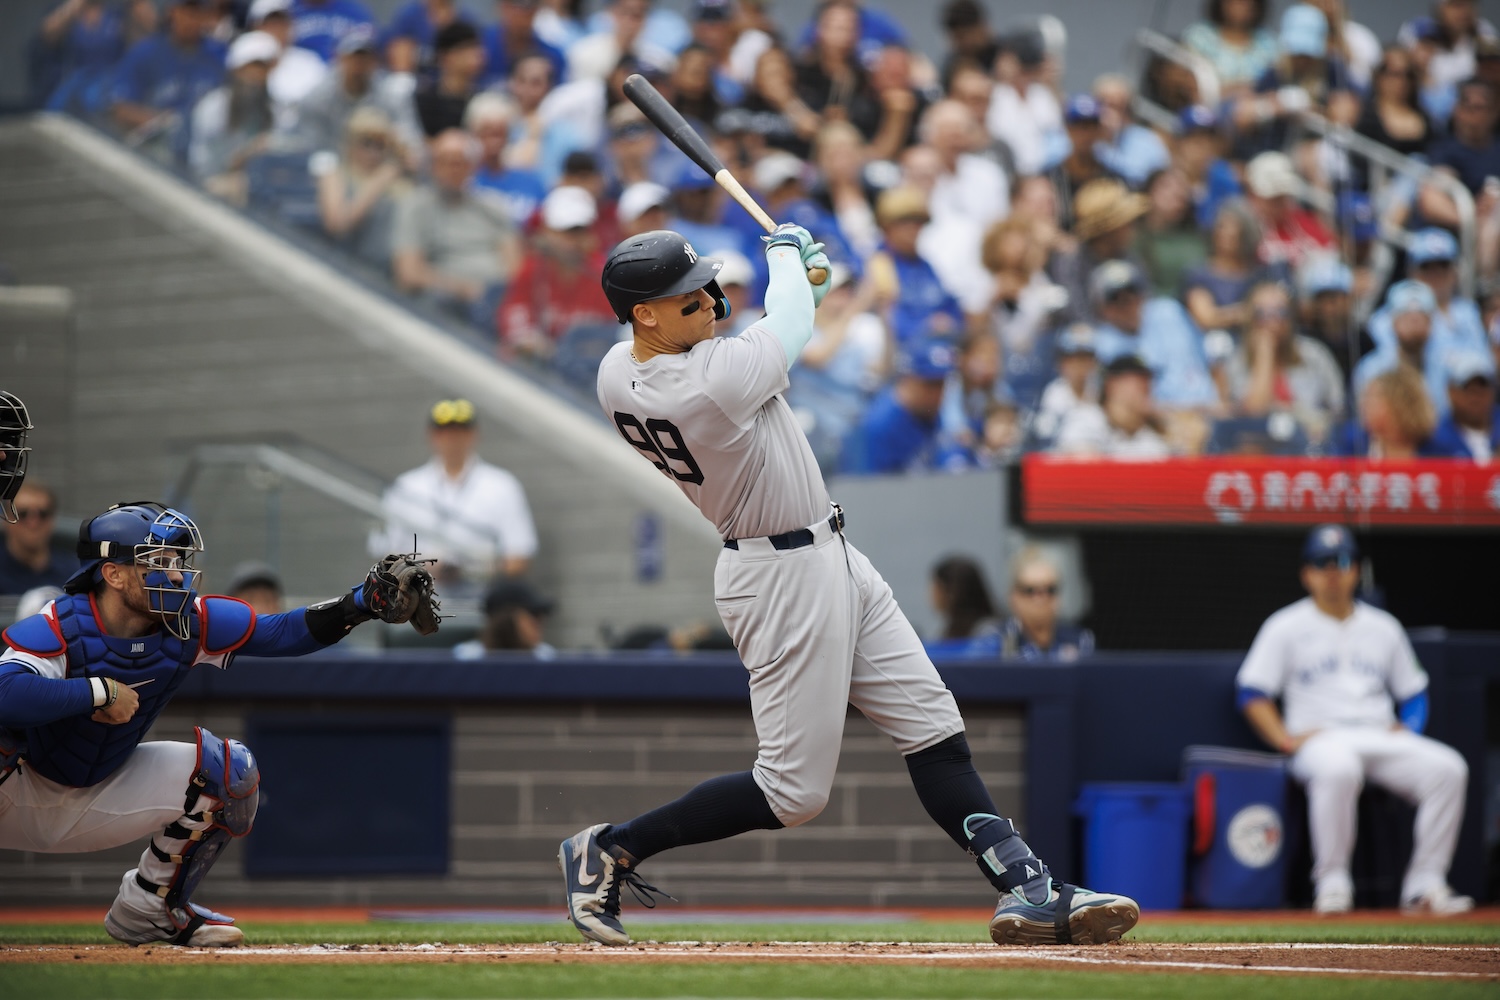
{"type": "Point", "coordinates": [159, 74]}
{"type": "Point", "coordinates": [319, 26]}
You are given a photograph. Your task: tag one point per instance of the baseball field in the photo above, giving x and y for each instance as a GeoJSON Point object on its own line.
{"type": "Point", "coordinates": [372, 955]}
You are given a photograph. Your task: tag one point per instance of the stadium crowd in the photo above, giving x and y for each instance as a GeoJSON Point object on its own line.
{"type": "Point", "coordinates": [1016, 267]}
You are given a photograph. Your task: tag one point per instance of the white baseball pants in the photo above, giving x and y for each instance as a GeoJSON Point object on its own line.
{"type": "Point", "coordinates": [818, 630]}
{"type": "Point", "coordinates": [1334, 765]}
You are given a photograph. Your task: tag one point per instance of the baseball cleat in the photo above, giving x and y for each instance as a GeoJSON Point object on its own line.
{"type": "Point", "coordinates": [1333, 900]}
{"type": "Point", "coordinates": [1437, 902]}
{"type": "Point", "coordinates": [592, 875]}
{"type": "Point", "coordinates": [204, 929]}
{"type": "Point", "coordinates": [1071, 915]}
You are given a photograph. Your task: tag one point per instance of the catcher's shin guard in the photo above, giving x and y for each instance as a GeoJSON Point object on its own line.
{"type": "Point", "coordinates": [228, 775]}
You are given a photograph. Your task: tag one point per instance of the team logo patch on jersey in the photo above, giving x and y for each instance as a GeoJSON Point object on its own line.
{"type": "Point", "coordinates": [635, 385]}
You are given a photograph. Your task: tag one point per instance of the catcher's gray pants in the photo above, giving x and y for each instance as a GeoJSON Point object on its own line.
{"type": "Point", "coordinates": [818, 630]}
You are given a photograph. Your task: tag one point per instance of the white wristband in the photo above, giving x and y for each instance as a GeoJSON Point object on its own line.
{"type": "Point", "coordinates": [101, 691]}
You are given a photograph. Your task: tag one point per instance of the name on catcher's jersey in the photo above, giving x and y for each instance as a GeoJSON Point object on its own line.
{"type": "Point", "coordinates": [714, 421]}
{"type": "Point", "coordinates": [1330, 672]}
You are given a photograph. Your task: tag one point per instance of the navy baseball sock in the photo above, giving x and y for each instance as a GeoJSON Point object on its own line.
{"type": "Point", "coordinates": [718, 808]}
{"type": "Point", "coordinates": [953, 794]}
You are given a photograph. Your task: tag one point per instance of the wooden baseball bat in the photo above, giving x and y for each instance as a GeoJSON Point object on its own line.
{"type": "Point", "coordinates": [682, 135]}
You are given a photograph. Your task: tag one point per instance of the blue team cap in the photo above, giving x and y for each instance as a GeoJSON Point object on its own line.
{"type": "Point", "coordinates": [1081, 108]}
{"type": "Point", "coordinates": [1330, 543]}
{"type": "Point", "coordinates": [1304, 31]}
{"type": "Point", "coordinates": [1077, 339]}
{"type": "Point", "coordinates": [1356, 213]}
{"type": "Point", "coordinates": [928, 358]}
{"type": "Point", "coordinates": [1325, 273]}
{"type": "Point", "coordinates": [1197, 118]}
{"type": "Point", "coordinates": [1410, 296]}
{"type": "Point", "coordinates": [1431, 244]}
{"type": "Point", "coordinates": [690, 177]}
{"type": "Point", "coordinates": [360, 38]}
{"type": "Point", "coordinates": [1467, 365]}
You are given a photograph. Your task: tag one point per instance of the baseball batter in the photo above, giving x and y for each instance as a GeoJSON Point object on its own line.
{"type": "Point", "coordinates": [814, 623]}
{"type": "Point", "coordinates": [1355, 701]}
{"type": "Point", "coordinates": [82, 682]}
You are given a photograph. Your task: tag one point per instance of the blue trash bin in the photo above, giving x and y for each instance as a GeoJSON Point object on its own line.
{"type": "Point", "coordinates": [1136, 841]}
{"type": "Point", "coordinates": [1239, 827]}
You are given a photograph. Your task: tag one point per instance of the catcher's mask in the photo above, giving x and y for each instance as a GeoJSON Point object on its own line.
{"type": "Point", "coordinates": [14, 423]}
{"type": "Point", "coordinates": [162, 541]}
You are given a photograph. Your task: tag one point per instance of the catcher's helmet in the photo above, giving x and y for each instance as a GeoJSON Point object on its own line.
{"type": "Point", "coordinates": [14, 423]}
{"type": "Point", "coordinates": [655, 265]}
{"type": "Point", "coordinates": [158, 538]}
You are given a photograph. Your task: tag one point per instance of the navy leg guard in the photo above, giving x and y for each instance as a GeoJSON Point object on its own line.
{"type": "Point", "coordinates": [1005, 858]}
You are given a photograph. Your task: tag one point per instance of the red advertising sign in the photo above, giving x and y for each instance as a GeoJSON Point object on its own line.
{"type": "Point", "coordinates": [1259, 490]}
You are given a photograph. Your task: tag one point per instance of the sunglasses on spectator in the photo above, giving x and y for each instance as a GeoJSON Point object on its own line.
{"type": "Point", "coordinates": [1434, 265]}
{"type": "Point", "coordinates": [372, 141]}
{"type": "Point", "coordinates": [35, 513]}
{"type": "Point", "coordinates": [1045, 590]}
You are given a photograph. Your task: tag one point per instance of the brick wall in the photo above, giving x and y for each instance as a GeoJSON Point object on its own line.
{"type": "Point", "coordinates": [525, 777]}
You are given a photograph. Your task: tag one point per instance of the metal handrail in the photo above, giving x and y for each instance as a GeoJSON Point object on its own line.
{"type": "Point", "coordinates": [1204, 74]}
{"type": "Point", "coordinates": [280, 462]}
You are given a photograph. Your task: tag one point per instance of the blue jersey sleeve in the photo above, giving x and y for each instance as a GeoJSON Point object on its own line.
{"type": "Point", "coordinates": [1413, 712]}
{"type": "Point", "coordinates": [133, 76]}
{"type": "Point", "coordinates": [27, 699]}
{"type": "Point", "coordinates": [284, 634]}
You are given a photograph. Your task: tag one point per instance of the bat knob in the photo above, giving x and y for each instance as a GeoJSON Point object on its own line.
{"type": "Point", "coordinates": [817, 275]}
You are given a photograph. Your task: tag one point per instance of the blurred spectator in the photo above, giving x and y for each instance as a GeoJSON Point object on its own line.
{"type": "Point", "coordinates": [297, 70]}
{"type": "Point", "coordinates": [581, 170]}
{"type": "Point", "coordinates": [1393, 115]}
{"type": "Point", "coordinates": [841, 367]}
{"type": "Point", "coordinates": [736, 278]}
{"type": "Point", "coordinates": [1198, 151]}
{"type": "Point", "coordinates": [1107, 216]}
{"type": "Point", "coordinates": [700, 205]}
{"type": "Point", "coordinates": [1158, 332]}
{"type": "Point", "coordinates": [757, 34]}
{"type": "Point", "coordinates": [830, 79]}
{"type": "Point", "coordinates": [456, 250]}
{"type": "Point", "coordinates": [974, 88]}
{"type": "Point", "coordinates": [1326, 284]}
{"type": "Point", "coordinates": [232, 123]}
{"type": "Point", "coordinates": [1081, 117]}
{"type": "Point", "coordinates": [1033, 632]}
{"type": "Point", "coordinates": [874, 30]}
{"type": "Point", "coordinates": [1169, 243]}
{"type": "Point", "coordinates": [772, 116]}
{"type": "Point", "coordinates": [1023, 307]}
{"type": "Point", "coordinates": [1122, 424]}
{"type": "Point", "coordinates": [468, 514]}
{"type": "Point", "coordinates": [1215, 292]}
{"type": "Point", "coordinates": [1234, 40]}
{"type": "Point", "coordinates": [555, 288]}
{"type": "Point", "coordinates": [1077, 382]}
{"type": "Point", "coordinates": [81, 42]}
{"type": "Point", "coordinates": [905, 287]}
{"type": "Point", "coordinates": [515, 617]}
{"type": "Point", "coordinates": [409, 35]}
{"type": "Point", "coordinates": [972, 390]}
{"type": "Point", "coordinates": [358, 192]}
{"type": "Point", "coordinates": [1289, 232]}
{"type": "Point", "coordinates": [459, 55]}
{"type": "Point", "coordinates": [543, 136]}
{"type": "Point", "coordinates": [1277, 370]}
{"type": "Point", "coordinates": [968, 194]}
{"type": "Point", "coordinates": [1470, 153]}
{"type": "Point", "coordinates": [34, 600]}
{"type": "Point", "coordinates": [1034, 201]}
{"type": "Point", "coordinates": [691, 638]}
{"type": "Point", "coordinates": [513, 36]}
{"type": "Point", "coordinates": [634, 148]}
{"type": "Point", "coordinates": [617, 31]}
{"type": "Point", "coordinates": [1396, 419]}
{"type": "Point", "coordinates": [259, 586]}
{"type": "Point", "coordinates": [1432, 255]}
{"type": "Point", "coordinates": [692, 85]}
{"type": "Point", "coordinates": [643, 207]}
{"type": "Point", "coordinates": [900, 430]}
{"type": "Point", "coordinates": [1353, 44]}
{"type": "Point", "coordinates": [323, 25]}
{"type": "Point", "coordinates": [1452, 34]}
{"type": "Point", "coordinates": [841, 155]}
{"type": "Point", "coordinates": [1304, 77]}
{"type": "Point", "coordinates": [1406, 338]}
{"type": "Point", "coordinates": [969, 39]}
{"type": "Point", "coordinates": [163, 76]}
{"type": "Point", "coordinates": [902, 103]}
{"type": "Point", "coordinates": [489, 118]}
{"type": "Point", "coordinates": [28, 559]}
{"type": "Point", "coordinates": [1128, 150]}
{"type": "Point", "coordinates": [716, 25]}
{"type": "Point", "coordinates": [1024, 112]}
{"type": "Point", "coordinates": [1471, 429]}
{"type": "Point", "coordinates": [962, 599]}
{"type": "Point", "coordinates": [355, 81]}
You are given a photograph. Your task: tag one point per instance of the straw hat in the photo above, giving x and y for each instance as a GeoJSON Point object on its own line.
{"type": "Point", "coordinates": [1104, 205]}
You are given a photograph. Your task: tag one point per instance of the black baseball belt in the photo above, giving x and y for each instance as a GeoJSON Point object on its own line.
{"type": "Point", "coordinates": [797, 539]}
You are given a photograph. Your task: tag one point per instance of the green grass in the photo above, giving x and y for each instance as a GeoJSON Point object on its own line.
{"type": "Point", "coordinates": [381, 932]}
{"type": "Point", "coordinates": [721, 981]}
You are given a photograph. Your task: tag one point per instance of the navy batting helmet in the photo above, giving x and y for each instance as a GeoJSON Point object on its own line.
{"type": "Point", "coordinates": [1330, 544]}
{"type": "Point", "coordinates": [163, 541]}
{"type": "Point", "coordinates": [14, 423]}
{"type": "Point", "coordinates": [655, 265]}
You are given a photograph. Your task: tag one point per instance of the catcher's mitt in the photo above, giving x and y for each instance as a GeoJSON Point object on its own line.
{"type": "Point", "coordinates": [399, 589]}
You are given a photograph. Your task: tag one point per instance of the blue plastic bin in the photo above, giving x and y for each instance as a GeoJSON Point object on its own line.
{"type": "Point", "coordinates": [1135, 841]}
{"type": "Point", "coordinates": [1239, 839]}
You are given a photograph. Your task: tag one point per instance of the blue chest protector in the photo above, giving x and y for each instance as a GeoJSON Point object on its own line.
{"type": "Point", "coordinates": [79, 752]}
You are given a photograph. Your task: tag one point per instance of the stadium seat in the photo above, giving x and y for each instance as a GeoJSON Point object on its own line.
{"type": "Point", "coordinates": [280, 185]}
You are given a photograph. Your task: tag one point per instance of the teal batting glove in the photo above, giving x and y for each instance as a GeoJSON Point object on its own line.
{"type": "Point", "coordinates": [819, 259]}
{"type": "Point", "coordinates": [791, 235]}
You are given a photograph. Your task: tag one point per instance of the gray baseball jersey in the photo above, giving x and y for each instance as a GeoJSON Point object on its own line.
{"type": "Point", "coordinates": [714, 420]}
{"type": "Point", "coordinates": [816, 626]}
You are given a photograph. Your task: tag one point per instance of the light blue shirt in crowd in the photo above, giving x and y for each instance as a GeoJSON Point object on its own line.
{"type": "Point", "coordinates": [1135, 155]}
{"type": "Point", "coordinates": [1171, 347]}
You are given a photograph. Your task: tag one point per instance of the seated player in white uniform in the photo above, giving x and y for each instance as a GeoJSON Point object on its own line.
{"type": "Point", "coordinates": [814, 623]}
{"type": "Point", "coordinates": [1354, 703]}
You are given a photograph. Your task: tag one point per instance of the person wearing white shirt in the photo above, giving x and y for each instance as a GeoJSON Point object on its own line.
{"type": "Point", "coordinates": [468, 514]}
{"type": "Point", "coordinates": [297, 71]}
{"type": "Point", "coordinates": [969, 193]}
{"type": "Point", "coordinates": [1354, 702]}
{"type": "Point", "coordinates": [1121, 425]}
